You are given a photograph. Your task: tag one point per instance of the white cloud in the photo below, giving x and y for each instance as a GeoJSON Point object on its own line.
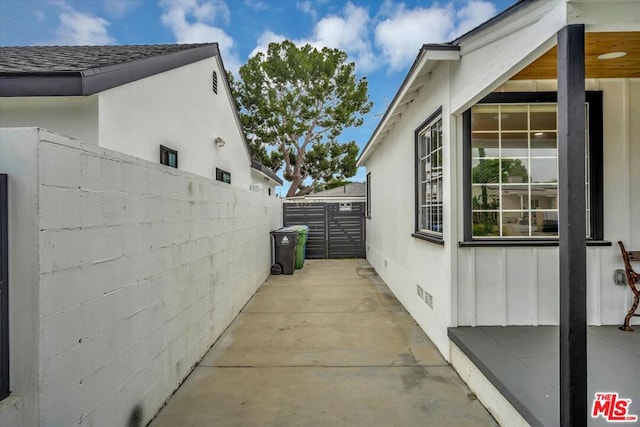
{"type": "Point", "coordinates": [256, 4]}
{"type": "Point", "coordinates": [120, 8]}
{"type": "Point", "coordinates": [306, 6]}
{"type": "Point", "coordinates": [401, 35]}
{"type": "Point", "coordinates": [78, 28]}
{"type": "Point", "coordinates": [473, 14]}
{"type": "Point", "coordinates": [398, 31]}
{"type": "Point", "coordinates": [264, 40]}
{"type": "Point", "coordinates": [190, 22]}
{"type": "Point", "coordinates": [348, 31]}
{"type": "Point", "coordinates": [41, 16]}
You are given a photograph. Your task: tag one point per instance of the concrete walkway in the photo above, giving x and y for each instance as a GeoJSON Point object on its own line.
{"type": "Point", "coordinates": [324, 347]}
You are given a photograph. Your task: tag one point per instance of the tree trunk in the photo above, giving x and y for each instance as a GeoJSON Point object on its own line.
{"type": "Point", "coordinates": [295, 184]}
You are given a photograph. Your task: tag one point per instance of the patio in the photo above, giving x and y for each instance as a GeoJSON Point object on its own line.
{"type": "Point", "coordinates": [522, 362]}
{"type": "Point", "coordinates": [327, 346]}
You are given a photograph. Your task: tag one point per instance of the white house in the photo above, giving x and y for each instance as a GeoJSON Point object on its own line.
{"type": "Point", "coordinates": [164, 103]}
{"type": "Point", "coordinates": [465, 170]}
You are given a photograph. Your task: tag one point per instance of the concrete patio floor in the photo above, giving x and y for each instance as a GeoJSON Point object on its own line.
{"type": "Point", "coordinates": [323, 347]}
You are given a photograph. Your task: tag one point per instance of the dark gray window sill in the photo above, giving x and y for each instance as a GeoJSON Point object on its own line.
{"type": "Point", "coordinates": [428, 238]}
{"type": "Point", "coordinates": [523, 242]}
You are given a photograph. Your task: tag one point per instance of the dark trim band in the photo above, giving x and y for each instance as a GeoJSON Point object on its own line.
{"type": "Point", "coordinates": [428, 238]}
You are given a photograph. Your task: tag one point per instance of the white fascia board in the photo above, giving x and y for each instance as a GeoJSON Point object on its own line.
{"type": "Point", "coordinates": [442, 55]}
{"type": "Point", "coordinates": [381, 128]}
{"type": "Point", "coordinates": [605, 15]}
{"type": "Point", "coordinates": [500, 63]}
{"type": "Point", "coordinates": [398, 105]}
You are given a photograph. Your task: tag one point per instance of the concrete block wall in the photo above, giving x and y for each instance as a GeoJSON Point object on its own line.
{"type": "Point", "coordinates": [141, 269]}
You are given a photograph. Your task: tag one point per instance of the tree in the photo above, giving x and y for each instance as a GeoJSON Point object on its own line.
{"type": "Point", "coordinates": [298, 100]}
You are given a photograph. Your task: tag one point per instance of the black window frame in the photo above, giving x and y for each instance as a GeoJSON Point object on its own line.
{"type": "Point", "coordinates": [368, 201]}
{"type": "Point", "coordinates": [168, 151]}
{"type": "Point", "coordinates": [4, 288]}
{"type": "Point", "coordinates": [596, 183]}
{"type": "Point", "coordinates": [418, 233]}
{"type": "Point", "coordinates": [221, 174]}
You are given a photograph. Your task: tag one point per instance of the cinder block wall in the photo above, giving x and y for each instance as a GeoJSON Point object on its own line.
{"type": "Point", "coordinates": [141, 268]}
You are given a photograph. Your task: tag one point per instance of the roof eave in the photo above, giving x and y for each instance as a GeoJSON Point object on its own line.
{"type": "Point", "coordinates": [499, 17]}
{"type": "Point", "coordinates": [427, 53]}
{"type": "Point", "coordinates": [266, 172]}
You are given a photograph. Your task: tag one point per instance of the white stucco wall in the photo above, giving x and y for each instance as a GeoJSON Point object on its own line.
{"type": "Point", "coordinates": [268, 186]}
{"type": "Point", "coordinates": [178, 109]}
{"type": "Point", "coordinates": [127, 273]}
{"type": "Point", "coordinates": [68, 115]}
{"type": "Point", "coordinates": [403, 261]}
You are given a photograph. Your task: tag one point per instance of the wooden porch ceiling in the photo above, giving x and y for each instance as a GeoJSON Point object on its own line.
{"type": "Point", "coordinates": [595, 44]}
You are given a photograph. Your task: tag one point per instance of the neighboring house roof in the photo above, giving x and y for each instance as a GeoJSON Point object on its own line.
{"type": "Point", "coordinates": [85, 70]}
{"type": "Point", "coordinates": [347, 191]}
{"type": "Point", "coordinates": [353, 189]}
{"type": "Point", "coordinates": [266, 171]}
{"type": "Point", "coordinates": [430, 52]}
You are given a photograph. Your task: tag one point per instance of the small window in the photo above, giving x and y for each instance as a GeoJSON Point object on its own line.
{"type": "Point", "coordinates": [429, 176]}
{"type": "Point", "coordinates": [168, 157]}
{"type": "Point", "coordinates": [214, 82]}
{"type": "Point", "coordinates": [223, 176]}
{"type": "Point", "coordinates": [369, 195]}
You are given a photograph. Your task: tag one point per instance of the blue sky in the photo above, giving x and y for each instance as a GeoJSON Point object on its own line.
{"type": "Point", "coordinates": [381, 36]}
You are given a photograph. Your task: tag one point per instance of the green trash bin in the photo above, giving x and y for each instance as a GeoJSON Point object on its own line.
{"type": "Point", "coordinates": [301, 245]}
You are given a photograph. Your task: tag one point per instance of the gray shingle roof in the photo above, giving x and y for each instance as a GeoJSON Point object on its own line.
{"type": "Point", "coordinates": [86, 70]}
{"type": "Point", "coordinates": [37, 59]}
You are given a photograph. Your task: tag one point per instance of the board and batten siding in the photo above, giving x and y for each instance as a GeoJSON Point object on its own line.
{"type": "Point", "coordinates": [519, 286]}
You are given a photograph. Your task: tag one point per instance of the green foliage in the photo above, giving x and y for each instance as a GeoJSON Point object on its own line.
{"type": "Point", "coordinates": [294, 103]}
{"type": "Point", "coordinates": [493, 171]}
{"type": "Point", "coordinates": [332, 183]}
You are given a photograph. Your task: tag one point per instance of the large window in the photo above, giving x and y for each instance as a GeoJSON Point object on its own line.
{"type": "Point", "coordinates": [429, 175]}
{"type": "Point", "coordinates": [512, 154]}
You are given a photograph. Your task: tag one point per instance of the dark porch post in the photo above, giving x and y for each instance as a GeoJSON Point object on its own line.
{"type": "Point", "coordinates": [572, 222]}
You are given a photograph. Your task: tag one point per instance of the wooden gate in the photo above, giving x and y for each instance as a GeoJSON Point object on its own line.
{"type": "Point", "coordinates": [336, 230]}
